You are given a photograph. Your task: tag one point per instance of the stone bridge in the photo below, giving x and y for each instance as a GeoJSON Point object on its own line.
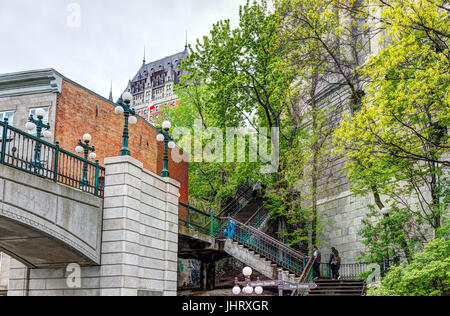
{"type": "Point", "coordinates": [124, 243]}
{"type": "Point", "coordinates": [44, 224]}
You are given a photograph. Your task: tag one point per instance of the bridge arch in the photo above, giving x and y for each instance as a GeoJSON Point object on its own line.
{"type": "Point", "coordinates": [45, 224]}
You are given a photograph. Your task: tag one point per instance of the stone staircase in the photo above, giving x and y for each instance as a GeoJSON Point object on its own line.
{"type": "Point", "coordinates": [338, 288]}
{"type": "Point", "coordinates": [256, 261]}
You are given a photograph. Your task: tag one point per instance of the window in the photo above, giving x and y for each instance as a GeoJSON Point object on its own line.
{"type": "Point", "coordinates": [10, 116]}
{"type": "Point", "coordinates": [45, 119]}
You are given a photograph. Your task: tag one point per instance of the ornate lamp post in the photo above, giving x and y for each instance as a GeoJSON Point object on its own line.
{"type": "Point", "coordinates": [84, 147]}
{"type": "Point", "coordinates": [163, 136]}
{"type": "Point", "coordinates": [39, 125]}
{"type": "Point", "coordinates": [247, 288]}
{"type": "Point", "coordinates": [123, 107]}
{"type": "Point", "coordinates": [258, 286]}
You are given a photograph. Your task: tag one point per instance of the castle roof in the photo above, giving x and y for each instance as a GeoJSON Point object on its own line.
{"type": "Point", "coordinates": [165, 64]}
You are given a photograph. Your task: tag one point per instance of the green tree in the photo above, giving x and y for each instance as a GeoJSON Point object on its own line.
{"type": "Point", "coordinates": [323, 43]}
{"type": "Point", "coordinates": [398, 142]}
{"type": "Point", "coordinates": [231, 80]}
{"type": "Point", "coordinates": [427, 275]}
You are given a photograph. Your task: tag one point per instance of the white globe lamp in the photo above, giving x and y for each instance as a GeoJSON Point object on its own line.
{"type": "Point", "coordinates": [236, 290]}
{"type": "Point", "coordinates": [166, 125]}
{"type": "Point", "coordinates": [47, 134]}
{"type": "Point", "coordinates": [132, 120]}
{"type": "Point", "coordinates": [40, 113]}
{"type": "Point", "coordinates": [248, 290]}
{"type": "Point", "coordinates": [172, 145]}
{"type": "Point", "coordinates": [160, 138]}
{"type": "Point", "coordinates": [30, 126]}
{"type": "Point", "coordinates": [79, 149]}
{"type": "Point", "coordinates": [119, 110]}
{"type": "Point", "coordinates": [247, 271]}
{"type": "Point", "coordinates": [93, 156]}
{"type": "Point", "coordinates": [127, 97]}
{"type": "Point", "coordinates": [87, 138]}
{"type": "Point", "coordinates": [259, 290]}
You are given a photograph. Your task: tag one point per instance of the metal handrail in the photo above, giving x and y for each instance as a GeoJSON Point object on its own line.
{"type": "Point", "coordinates": [347, 271]}
{"type": "Point", "coordinates": [258, 232]}
{"type": "Point", "coordinates": [259, 218]}
{"type": "Point", "coordinates": [33, 155]}
{"type": "Point", "coordinates": [306, 276]}
{"type": "Point", "coordinates": [254, 215]}
{"type": "Point", "coordinates": [200, 221]}
{"type": "Point", "coordinates": [262, 243]}
{"type": "Point", "coordinates": [234, 202]}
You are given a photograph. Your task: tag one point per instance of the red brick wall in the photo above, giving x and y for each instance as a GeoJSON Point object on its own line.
{"type": "Point", "coordinates": [80, 111]}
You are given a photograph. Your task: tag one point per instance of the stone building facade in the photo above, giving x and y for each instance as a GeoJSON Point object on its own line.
{"type": "Point", "coordinates": [153, 86]}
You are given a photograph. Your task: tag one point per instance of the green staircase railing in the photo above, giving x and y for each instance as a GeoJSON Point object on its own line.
{"type": "Point", "coordinates": [266, 246]}
{"type": "Point", "coordinates": [247, 234]}
{"type": "Point", "coordinates": [307, 277]}
{"type": "Point", "coordinates": [205, 223]}
{"type": "Point", "coordinates": [259, 218]}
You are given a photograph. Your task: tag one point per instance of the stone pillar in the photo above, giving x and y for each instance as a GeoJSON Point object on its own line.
{"type": "Point", "coordinates": [208, 276]}
{"type": "Point", "coordinates": [140, 239]}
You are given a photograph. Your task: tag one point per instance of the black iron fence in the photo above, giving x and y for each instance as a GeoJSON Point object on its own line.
{"type": "Point", "coordinates": [28, 153]}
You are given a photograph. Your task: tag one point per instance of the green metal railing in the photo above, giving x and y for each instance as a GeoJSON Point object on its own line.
{"type": "Point", "coordinates": [205, 223]}
{"type": "Point", "coordinates": [266, 246]}
{"type": "Point", "coordinates": [259, 218]}
{"type": "Point", "coordinates": [211, 224]}
{"type": "Point", "coordinates": [30, 154]}
{"type": "Point", "coordinates": [307, 277]}
{"type": "Point", "coordinates": [243, 198]}
{"type": "Point", "coordinates": [251, 237]}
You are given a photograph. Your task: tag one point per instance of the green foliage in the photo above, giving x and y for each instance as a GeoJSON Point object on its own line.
{"type": "Point", "coordinates": [427, 275]}
{"type": "Point", "coordinates": [231, 80]}
{"type": "Point", "coordinates": [396, 144]}
{"type": "Point", "coordinates": [399, 234]}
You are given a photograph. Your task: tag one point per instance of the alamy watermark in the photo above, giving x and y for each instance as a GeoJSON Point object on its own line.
{"type": "Point", "coordinates": [215, 145]}
{"type": "Point", "coordinates": [73, 276]}
{"type": "Point", "coordinates": [74, 17]}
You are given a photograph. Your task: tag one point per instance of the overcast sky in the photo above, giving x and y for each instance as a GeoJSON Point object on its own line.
{"type": "Point", "coordinates": [106, 40]}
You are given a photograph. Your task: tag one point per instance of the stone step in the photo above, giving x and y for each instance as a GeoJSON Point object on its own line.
{"type": "Point", "coordinates": [328, 295]}
{"type": "Point", "coordinates": [339, 285]}
{"type": "Point", "coordinates": [321, 288]}
{"type": "Point", "coordinates": [337, 290]}
{"type": "Point", "coordinates": [339, 281]}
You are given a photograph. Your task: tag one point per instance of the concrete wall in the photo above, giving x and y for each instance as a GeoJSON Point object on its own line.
{"type": "Point", "coordinates": [140, 241]}
{"type": "Point", "coordinates": [342, 217]}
